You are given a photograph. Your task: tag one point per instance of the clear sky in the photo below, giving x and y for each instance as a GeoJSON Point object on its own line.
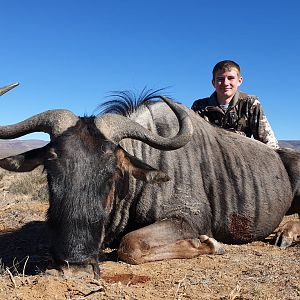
{"type": "Point", "coordinates": [71, 54]}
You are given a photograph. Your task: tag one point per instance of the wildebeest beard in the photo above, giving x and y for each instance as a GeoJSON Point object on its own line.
{"type": "Point", "coordinates": [80, 180]}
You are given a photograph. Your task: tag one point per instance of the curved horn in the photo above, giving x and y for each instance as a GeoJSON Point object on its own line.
{"type": "Point", "coordinates": [116, 128]}
{"type": "Point", "coordinates": [7, 88]}
{"type": "Point", "coordinates": [54, 122]}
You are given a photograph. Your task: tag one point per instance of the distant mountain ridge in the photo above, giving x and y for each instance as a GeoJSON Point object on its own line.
{"type": "Point", "coordinates": [295, 144]}
{"type": "Point", "coordinates": [13, 147]}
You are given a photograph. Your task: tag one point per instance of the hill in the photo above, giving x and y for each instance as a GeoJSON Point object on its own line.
{"type": "Point", "coordinates": [13, 147]}
{"type": "Point", "coordinates": [295, 144]}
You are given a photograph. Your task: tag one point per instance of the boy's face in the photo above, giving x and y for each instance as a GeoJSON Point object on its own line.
{"type": "Point", "coordinates": [226, 83]}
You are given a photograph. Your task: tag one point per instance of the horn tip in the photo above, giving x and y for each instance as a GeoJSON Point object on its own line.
{"type": "Point", "coordinates": [8, 88]}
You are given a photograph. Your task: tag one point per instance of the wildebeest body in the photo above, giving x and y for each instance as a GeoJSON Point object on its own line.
{"type": "Point", "coordinates": [221, 184]}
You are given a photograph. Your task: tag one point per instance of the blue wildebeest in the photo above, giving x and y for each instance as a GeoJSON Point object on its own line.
{"type": "Point", "coordinates": [158, 185]}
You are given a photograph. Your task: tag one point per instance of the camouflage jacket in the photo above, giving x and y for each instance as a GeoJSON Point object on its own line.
{"type": "Point", "coordinates": [244, 115]}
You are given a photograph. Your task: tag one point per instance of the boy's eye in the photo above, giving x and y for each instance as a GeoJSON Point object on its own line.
{"type": "Point", "coordinates": [221, 79]}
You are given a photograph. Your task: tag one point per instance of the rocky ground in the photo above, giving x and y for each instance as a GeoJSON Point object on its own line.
{"type": "Point", "coordinates": [254, 271]}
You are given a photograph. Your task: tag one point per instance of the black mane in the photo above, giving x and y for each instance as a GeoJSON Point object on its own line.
{"type": "Point", "coordinates": [126, 102]}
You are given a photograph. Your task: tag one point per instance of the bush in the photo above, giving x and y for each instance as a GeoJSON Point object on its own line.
{"type": "Point", "coordinates": [33, 184]}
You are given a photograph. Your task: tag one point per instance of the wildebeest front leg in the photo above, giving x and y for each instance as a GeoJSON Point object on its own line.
{"type": "Point", "coordinates": [166, 239]}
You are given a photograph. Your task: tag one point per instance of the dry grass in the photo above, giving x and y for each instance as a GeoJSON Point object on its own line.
{"type": "Point", "coordinates": [33, 184]}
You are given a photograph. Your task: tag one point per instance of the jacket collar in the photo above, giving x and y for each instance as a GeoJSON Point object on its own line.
{"type": "Point", "coordinates": [213, 101]}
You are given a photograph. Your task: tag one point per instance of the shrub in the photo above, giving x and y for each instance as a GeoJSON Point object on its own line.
{"type": "Point", "coordinates": [33, 184]}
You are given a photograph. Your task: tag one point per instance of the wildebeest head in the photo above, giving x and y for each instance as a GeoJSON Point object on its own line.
{"type": "Point", "coordinates": [84, 163]}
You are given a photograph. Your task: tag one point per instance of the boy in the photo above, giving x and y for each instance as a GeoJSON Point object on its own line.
{"type": "Point", "coordinates": [234, 110]}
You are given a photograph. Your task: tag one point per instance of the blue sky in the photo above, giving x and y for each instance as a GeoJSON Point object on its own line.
{"type": "Point", "coordinates": [71, 54]}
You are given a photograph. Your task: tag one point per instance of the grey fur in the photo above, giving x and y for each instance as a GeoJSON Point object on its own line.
{"type": "Point", "coordinates": [223, 184]}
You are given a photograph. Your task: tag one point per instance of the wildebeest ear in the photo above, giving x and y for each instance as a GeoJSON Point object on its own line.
{"type": "Point", "coordinates": [138, 168]}
{"type": "Point", "coordinates": [27, 161]}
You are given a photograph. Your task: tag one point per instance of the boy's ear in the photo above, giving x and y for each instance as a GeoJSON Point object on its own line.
{"type": "Point", "coordinates": [138, 168]}
{"type": "Point", "coordinates": [240, 80]}
{"type": "Point", "coordinates": [213, 82]}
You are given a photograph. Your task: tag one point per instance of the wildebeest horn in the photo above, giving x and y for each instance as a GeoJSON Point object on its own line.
{"type": "Point", "coordinates": [54, 122]}
{"type": "Point", "coordinates": [116, 128]}
{"type": "Point", "coordinates": [7, 88]}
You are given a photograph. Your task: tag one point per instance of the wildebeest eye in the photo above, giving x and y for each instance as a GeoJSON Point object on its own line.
{"type": "Point", "coordinates": [52, 154]}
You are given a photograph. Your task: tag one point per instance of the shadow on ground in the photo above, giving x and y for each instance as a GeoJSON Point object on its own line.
{"type": "Point", "coordinates": [25, 251]}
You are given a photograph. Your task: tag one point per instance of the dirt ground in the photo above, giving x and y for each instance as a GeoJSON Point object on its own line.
{"type": "Point", "coordinates": [254, 271]}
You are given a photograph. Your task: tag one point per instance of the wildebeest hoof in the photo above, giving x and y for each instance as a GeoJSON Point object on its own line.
{"type": "Point", "coordinates": [283, 241]}
{"type": "Point", "coordinates": [288, 234]}
{"type": "Point", "coordinates": [74, 271]}
{"type": "Point", "coordinates": [216, 247]}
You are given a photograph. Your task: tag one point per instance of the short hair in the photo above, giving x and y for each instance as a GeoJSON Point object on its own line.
{"type": "Point", "coordinates": [225, 65]}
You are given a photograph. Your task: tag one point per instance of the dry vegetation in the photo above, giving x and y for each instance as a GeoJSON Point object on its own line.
{"type": "Point", "coordinates": [32, 184]}
{"type": "Point", "coordinates": [253, 271]}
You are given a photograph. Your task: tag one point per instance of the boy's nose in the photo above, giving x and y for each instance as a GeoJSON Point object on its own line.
{"type": "Point", "coordinates": [226, 81]}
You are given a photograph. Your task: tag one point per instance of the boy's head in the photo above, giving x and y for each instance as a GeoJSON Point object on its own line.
{"type": "Point", "coordinates": [226, 80]}
{"type": "Point", "coordinates": [226, 65]}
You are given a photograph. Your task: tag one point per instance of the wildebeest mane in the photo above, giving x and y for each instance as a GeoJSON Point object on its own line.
{"type": "Point", "coordinates": [126, 103]}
